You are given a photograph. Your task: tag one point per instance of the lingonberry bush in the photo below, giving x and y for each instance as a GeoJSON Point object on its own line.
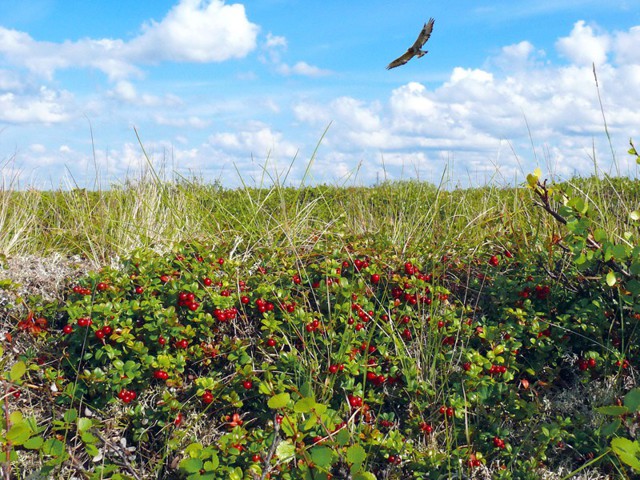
{"type": "Point", "coordinates": [345, 359]}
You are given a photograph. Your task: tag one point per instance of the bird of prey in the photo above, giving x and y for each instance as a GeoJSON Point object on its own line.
{"type": "Point", "coordinates": [415, 49]}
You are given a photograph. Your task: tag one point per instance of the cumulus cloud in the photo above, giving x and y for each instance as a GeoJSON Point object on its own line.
{"type": "Point", "coordinates": [626, 46]}
{"type": "Point", "coordinates": [43, 106]}
{"type": "Point", "coordinates": [583, 46]}
{"type": "Point", "coordinates": [256, 139]}
{"type": "Point", "coordinates": [196, 31]}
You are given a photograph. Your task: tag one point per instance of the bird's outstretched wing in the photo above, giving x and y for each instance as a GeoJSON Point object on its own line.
{"type": "Point", "coordinates": [401, 60]}
{"type": "Point", "coordinates": [415, 49]}
{"type": "Point", "coordinates": [424, 35]}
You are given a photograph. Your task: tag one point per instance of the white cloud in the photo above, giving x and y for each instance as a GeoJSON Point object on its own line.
{"type": "Point", "coordinates": [273, 48]}
{"type": "Point", "coordinates": [257, 139]}
{"type": "Point", "coordinates": [44, 106]}
{"type": "Point", "coordinates": [626, 46]}
{"type": "Point", "coordinates": [302, 68]}
{"type": "Point", "coordinates": [583, 46]}
{"type": "Point", "coordinates": [125, 92]}
{"type": "Point", "coordinates": [275, 41]}
{"type": "Point", "coordinates": [190, 122]}
{"type": "Point", "coordinates": [196, 31]}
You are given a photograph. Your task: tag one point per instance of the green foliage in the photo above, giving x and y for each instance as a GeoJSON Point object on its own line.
{"type": "Point", "coordinates": [342, 333]}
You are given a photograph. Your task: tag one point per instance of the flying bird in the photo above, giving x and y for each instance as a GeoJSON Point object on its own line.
{"type": "Point", "coordinates": [415, 49]}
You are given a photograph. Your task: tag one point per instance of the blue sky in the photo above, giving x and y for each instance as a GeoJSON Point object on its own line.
{"type": "Point", "coordinates": [225, 90]}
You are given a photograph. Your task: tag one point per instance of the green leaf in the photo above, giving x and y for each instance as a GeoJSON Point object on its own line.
{"type": "Point", "coordinates": [70, 415]}
{"type": "Point", "coordinates": [364, 476]}
{"type": "Point", "coordinates": [91, 450]}
{"type": "Point", "coordinates": [356, 454]}
{"type": "Point", "coordinates": [289, 425]}
{"type": "Point", "coordinates": [613, 410]}
{"type": "Point", "coordinates": [532, 178]}
{"type": "Point", "coordinates": [628, 451]}
{"type": "Point", "coordinates": [304, 405]}
{"type": "Point", "coordinates": [635, 215]}
{"type": "Point", "coordinates": [285, 451]}
{"type": "Point", "coordinates": [279, 401]}
{"type": "Point", "coordinates": [632, 400]}
{"type": "Point", "coordinates": [17, 371]}
{"type": "Point", "coordinates": [84, 423]}
{"type": "Point", "coordinates": [19, 433]}
{"type": "Point", "coordinates": [33, 443]}
{"type": "Point", "coordinates": [213, 463]}
{"type": "Point", "coordinates": [191, 465]}
{"type": "Point", "coordinates": [88, 438]}
{"type": "Point", "coordinates": [311, 422]}
{"type": "Point", "coordinates": [53, 447]}
{"type": "Point", "coordinates": [342, 438]}
{"type": "Point", "coordinates": [193, 449]}
{"type": "Point", "coordinates": [611, 278]}
{"type": "Point", "coordinates": [16, 417]}
{"type": "Point", "coordinates": [600, 235]}
{"type": "Point", "coordinates": [610, 428]}
{"type": "Point", "coordinates": [236, 474]}
{"type": "Point", "coordinates": [322, 456]}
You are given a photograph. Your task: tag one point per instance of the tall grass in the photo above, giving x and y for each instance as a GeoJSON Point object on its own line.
{"type": "Point", "coordinates": [407, 216]}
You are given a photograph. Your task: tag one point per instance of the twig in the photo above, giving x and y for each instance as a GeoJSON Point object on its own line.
{"type": "Point", "coordinates": [7, 465]}
{"type": "Point", "coordinates": [272, 449]}
{"type": "Point", "coordinates": [123, 456]}
{"type": "Point", "coordinates": [543, 193]}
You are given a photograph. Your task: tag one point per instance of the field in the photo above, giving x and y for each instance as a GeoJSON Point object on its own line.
{"type": "Point", "coordinates": [176, 329]}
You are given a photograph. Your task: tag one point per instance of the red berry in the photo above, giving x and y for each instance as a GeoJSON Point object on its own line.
{"type": "Point", "coordinates": [99, 334]}
{"type": "Point", "coordinates": [193, 306]}
{"type": "Point", "coordinates": [493, 261]}
{"type": "Point", "coordinates": [375, 278]}
{"type": "Point", "coordinates": [164, 278]}
{"type": "Point", "coordinates": [426, 428]}
{"type": "Point", "coordinates": [207, 397]}
{"type": "Point", "coordinates": [592, 362]}
{"type": "Point", "coordinates": [333, 369]}
{"type": "Point", "coordinates": [162, 340]}
{"type": "Point", "coordinates": [271, 342]}
{"type": "Point", "coordinates": [67, 329]}
{"type": "Point", "coordinates": [102, 286]}
{"type": "Point", "coordinates": [107, 330]}
{"type": "Point", "coordinates": [178, 420]}
{"type": "Point", "coordinates": [244, 299]}
{"type": "Point", "coordinates": [247, 384]}
{"type": "Point", "coordinates": [256, 458]}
